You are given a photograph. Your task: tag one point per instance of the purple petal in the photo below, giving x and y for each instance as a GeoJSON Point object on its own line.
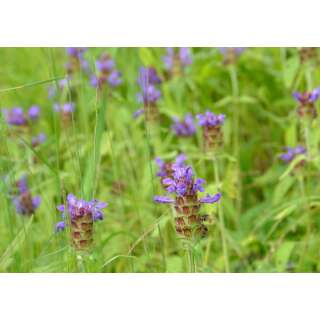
{"type": "Point", "coordinates": [209, 199]}
{"type": "Point", "coordinates": [162, 199]}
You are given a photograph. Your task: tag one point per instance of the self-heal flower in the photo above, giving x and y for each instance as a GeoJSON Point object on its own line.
{"type": "Point", "coordinates": [76, 60]}
{"type": "Point", "coordinates": [291, 153]}
{"type": "Point", "coordinates": [14, 116]}
{"type": "Point", "coordinates": [34, 112]}
{"type": "Point", "coordinates": [81, 215]}
{"type": "Point", "coordinates": [149, 94]}
{"type": "Point", "coordinates": [176, 60]}
{"type": "Point", "coordinates": [24, 202]}
{"type": "Point", "coordinates": [185, 187]}
{"type": "Point", "coordinates": [107, 74]}
{"type": "Point", "coordinates": [39, 139]}
{"type": "Point", "coordinates": [184, 128]}
{"type": "Point", "coordinates": [65, 110]}
{"type": "Point", "coordinates": [306, 102]}
{"type": "Point", "coordinates": [212, 129]}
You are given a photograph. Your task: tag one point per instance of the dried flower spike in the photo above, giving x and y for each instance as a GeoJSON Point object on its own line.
{"type": "Point", "coordinates": [81, 215]}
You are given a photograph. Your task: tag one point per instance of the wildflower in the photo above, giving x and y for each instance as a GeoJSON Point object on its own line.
{"type": "Point", "coordinates": [24, 202]}
{"type": "Point", "coordinates": [106, 73]}
{"type": "Point", "coordinates": [65, 110]}
{"type": "Point", "coordinates": [187, 204]}
{"type": "Point", "coordinates": [76, 60]}
{"type": "Point", "coordinates": [176, 60]}
{"type": "Point", "coordinates": [34, 112]}
{"type": "Point", "coordinates": [149, 94]}
{"type": "Point", "coordinates": [184, 128]}
{"type": "Point", "coordinates": [306, 102]}
{"type": "Point", "coordinates": [17, 117]}
{"type": "Point", "coordinates": [39, 139]}
{"type": "Point", "coordinates": [81, 215]}
{"type": "Point", "coordinates": [231, 54]}
{"type": "Point", "coordinates": [291, 154]}
{"type": "Point", "coordinates": [212, 130]}
{"type": "Point", "coordinates": [166, 169]}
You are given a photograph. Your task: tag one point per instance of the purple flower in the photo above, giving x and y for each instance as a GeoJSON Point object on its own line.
{"type": "Point", "coordinates": [15, 116]}
{"type": "Point", "coordinates": [65, 108]}
{"type": "Point", "coordinates": [166, 168]}
{"type": "Point", "coordinates": [34, 112]}
{"type": "Point", "coordinates": [147, 80]}
{"type": "Point", "coordinates": [185, 56]}
{"type": "Point", "coordinates": [105, 64]}
{"type": "Point", "coordinates": [185, 127]}
{"type": "Point", "coordinates": [148, 76]}
{"type": "Point", "coordinates": [60, 226]}
{"type": "Point", "coordinates": [76, 52]}
{"type": "Point", "coordinates": [209, 199]}
{"type": "Point", "coordinates": [149, 95]}
{"type": "Point", "coordinates": [138, 113]}
{"type": "Point", "coordinates": [182, 58]}
{"type": "Point", "coordinates": [291, 153]}
{"type": "Point", "coordinates": [39, 139]}
{"type": "Point", "coordinates": [307, 97]}
{"type": "Point", "coordinates": [114, 78]}
{"type": "Point", "coordinates": [77, 208]}
{"type": "Point", "coordinates": [209, 119]}
{"type": "Point", "coordinates": [162, 199]}
{"type": "Point", "coordinates": [24, 202]}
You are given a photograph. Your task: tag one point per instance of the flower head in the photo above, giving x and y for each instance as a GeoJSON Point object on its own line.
{"type": "Point", "coordinates": [166, 168]}
{"type": "Point", "coordinates": [179, 59]}
{"type": "Point", "coordinates": [209, 119]}
{"type": "Point", "coordinates": [147, 80]}
{"type": "Point", "coordinates": [15, 116]}
{"type": "Point", "coordinates": [185, 127]}
{"type": "Point", "coordinates": [307, 97]}
{"type": "Point", "coordinates": [34, 112]}
{"type": "Point", "coordinates": [24, 202]}
{"type": "Point", "coordinates": [65, 108]}
{"type": "Point", "coordinates": [76, 208]}
{"type": "Point", "coordinates": [291, 153]}
{"type": "Point", "coordinates": [39, 139]}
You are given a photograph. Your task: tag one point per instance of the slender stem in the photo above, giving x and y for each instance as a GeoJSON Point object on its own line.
{"type": "Point", "coordinates": [221, 218]}
{"type": "Point", "coordinates": [236, 139]}
{"type": "Point", "coordinates": [191, 261]}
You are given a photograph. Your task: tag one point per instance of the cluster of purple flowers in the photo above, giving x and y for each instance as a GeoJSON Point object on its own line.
{"type": "Point", "coordinates": [291, 153]}
{"type": "Point", "coordinates": [81, 215]}
{"type": "Point", "coordinates": [306, 102]}
{"type": "Point", "coordinates": [176, 60]}
{"type": "Point", "coordinates": [212, 132]}
{"type": "Point", "coordinates": [184, 128]}
{"type": "Point", "coordinates": [106, 73]}
{"type": "Point", "coordinates": [185, 187]}
{"type": "Point", "coordinates": [17, 117]}
{"type": "Point", "coordinates": [149, 95]}
{"type": "Point", "coordinates": [24, 202]}
{"type": "Point", "coordinates": [76, 60]}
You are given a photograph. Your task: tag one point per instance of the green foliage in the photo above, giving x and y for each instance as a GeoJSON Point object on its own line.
{"type": "Point", "coordinates": [270, 209]}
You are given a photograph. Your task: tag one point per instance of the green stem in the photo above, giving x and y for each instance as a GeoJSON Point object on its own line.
{"type": "Point", "coordinates": [191, 261]}
{"type": "Point", "coordinates": [221, 218]}
{"type": "Point", "coordinates": [236, 139]}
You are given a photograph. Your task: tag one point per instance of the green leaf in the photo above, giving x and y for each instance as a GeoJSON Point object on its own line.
{"type": "Point", "coordinates": [6, 257]}
{"type": "Point", "coordinates": [283, 254]}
